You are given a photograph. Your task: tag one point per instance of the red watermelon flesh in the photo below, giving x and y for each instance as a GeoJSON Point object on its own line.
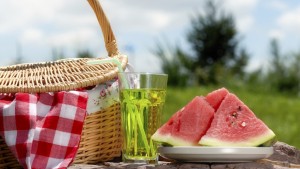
{"type": "Point", "coordinates": [188, 125]}
{"type": "Point", "coordinates": [216, 97]}
{"type": "Point", "coordinates": [234, 124]}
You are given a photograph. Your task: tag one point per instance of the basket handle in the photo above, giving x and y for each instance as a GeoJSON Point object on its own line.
{"type": "Point", "coordinates": [109, 37]}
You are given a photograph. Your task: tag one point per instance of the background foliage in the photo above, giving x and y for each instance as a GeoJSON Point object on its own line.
{"type": "Point", "coordinates": [217, 57]}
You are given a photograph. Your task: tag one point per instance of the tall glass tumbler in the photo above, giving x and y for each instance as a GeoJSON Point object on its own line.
{"type": "Point", "coordinates": [142, 97]}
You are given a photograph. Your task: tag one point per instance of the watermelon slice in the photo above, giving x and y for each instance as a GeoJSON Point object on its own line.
{"type": "Point", "coordinates": [234, 124]}
{"type": "Point", "coordinates": [188, 125]}
{"type": "Point", "coordinates": [216, 97]}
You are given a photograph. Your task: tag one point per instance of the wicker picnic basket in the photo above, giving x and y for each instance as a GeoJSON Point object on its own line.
{"type": "Point", "coordinates": [101, 136]}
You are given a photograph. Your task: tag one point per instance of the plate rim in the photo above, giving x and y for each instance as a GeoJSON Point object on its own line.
{"type": "Point", "coordinates": [215, 154]}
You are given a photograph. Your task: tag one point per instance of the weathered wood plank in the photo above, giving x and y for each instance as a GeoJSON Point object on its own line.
{"type": "Point", "coordinates": [285, 156]}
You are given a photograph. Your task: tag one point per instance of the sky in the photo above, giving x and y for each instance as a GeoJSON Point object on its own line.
{"type": "Point", "coordinates": [34, 29]}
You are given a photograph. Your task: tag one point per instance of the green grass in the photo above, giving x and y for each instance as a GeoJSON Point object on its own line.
{"type": "Point", "coordinates": [281, 113]}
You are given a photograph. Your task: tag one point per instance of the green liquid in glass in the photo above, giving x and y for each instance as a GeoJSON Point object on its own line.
{"type": "Point", "coordinates": [141, 115]}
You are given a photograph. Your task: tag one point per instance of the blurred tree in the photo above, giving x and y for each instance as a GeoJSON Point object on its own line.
{"type": "Point", "coordinates": [277, 66]}
{"type": "Point", "coordinates": [240, 62]}
{"type": "Point", "coordinates": [292, 78]}
{"type": "Point", "coordinates": [256, 78]}
{"type": "Point", "coordinates": [19, 59]}
{"type": "Point", "coordinates": [214, 55]}
{"type": "Point", "coordinates": [214, 41]}
{"type": "Point", "coordinates": [296, 71]}
{"type": "Point", "coordinates": [171, 60]}
{"type": "Point", "coordinates": [84, 54]}
{"type": "Point", "coordinates": [57, 54]}
{"type": "Point", "coordinates": [283, 73]}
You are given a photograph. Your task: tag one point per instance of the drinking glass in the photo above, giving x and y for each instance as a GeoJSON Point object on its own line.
{"type": "Point", "coordinates": [142, 97]}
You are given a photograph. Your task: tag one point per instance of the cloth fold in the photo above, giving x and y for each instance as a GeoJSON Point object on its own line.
{"type": "Point", "coordinates": [43, 130]}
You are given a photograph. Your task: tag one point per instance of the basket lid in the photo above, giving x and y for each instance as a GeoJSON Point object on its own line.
{"type": "Point", "coordinates": [66, 74]}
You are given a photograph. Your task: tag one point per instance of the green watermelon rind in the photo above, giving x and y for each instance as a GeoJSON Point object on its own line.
{"type": "Point", "coordinates": [170, 140]}
{"type": "Point", "coordinates": [253, 142]}
{"type": "Point", "coordinates": [269, 143]}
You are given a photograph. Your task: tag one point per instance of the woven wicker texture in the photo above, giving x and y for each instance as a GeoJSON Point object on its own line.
{"type": "Point", "coordinates": [101, 137]}
{"type": "Point", "coordinates": [55, 76]}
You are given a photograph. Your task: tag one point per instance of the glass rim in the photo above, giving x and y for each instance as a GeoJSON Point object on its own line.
{"type": "Point", "coordinates": [144, 73]}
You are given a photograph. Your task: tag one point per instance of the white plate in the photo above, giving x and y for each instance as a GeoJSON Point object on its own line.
{"type": "Point", "coordinates": [215, 154]}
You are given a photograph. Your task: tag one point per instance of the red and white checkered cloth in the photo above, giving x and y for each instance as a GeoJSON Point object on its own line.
{"type": "Point", "coordinates": [43, 130]}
